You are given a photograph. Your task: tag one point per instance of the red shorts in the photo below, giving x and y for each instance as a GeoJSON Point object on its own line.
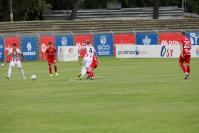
{"type": "Point", "coordinates": [186, 59]}
{"type": "Point", "coordinates": [51, 61]}
{"type": "Point", "coordinates": [94, 63]}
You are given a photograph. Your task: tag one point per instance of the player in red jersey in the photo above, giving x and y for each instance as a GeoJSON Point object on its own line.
{"type": "Point", "coordinates": [95, 62]}
{"type": "Point", "coordinates": [51, 57]}
{"type": "Point", "coordinates": [185, 56]}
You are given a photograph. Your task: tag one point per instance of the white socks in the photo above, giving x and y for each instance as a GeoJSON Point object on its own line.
{"type": "Point", "coordinates": [9, 71]}
{"type": "Point", "coordinates": [22, 73]}
{"type": "Point", "coordinates": [83, 72]}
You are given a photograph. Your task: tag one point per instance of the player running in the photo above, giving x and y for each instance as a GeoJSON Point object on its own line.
{"type": "Point", "coordinates": [90, 61]}
{"type": "Point", "coordinates": [51, 57]}
{"type": "Point", "coordinates": [16, 55]}
{"type": "Point", "coordinates": [185, 56]}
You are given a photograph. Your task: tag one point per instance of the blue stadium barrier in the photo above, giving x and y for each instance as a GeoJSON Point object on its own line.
{"type": "Point", "coordinates": [29, 47]}
{"type": "Point", "coordinates": [194, 37]}
{"type": "Point", "coordinates": [146, 39]}
{"type": "Point", "coordinates": [1, 49]}
{"type": "Point", "coordinates": [103, 44]}
{"type": "Point", "coordinates": [64, 40]}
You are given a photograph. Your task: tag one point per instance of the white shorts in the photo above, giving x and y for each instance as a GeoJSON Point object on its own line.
{"type": "Point", "coordinates": [87, 61]}
{"type": "Point", "coordinates": [16, 63]}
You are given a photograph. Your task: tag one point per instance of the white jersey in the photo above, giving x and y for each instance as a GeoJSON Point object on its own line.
{"type": "Point", "coordinates": [90, 50]}
{"type": "Point", "coordinates": [15, 54]}
{"type": "Point", "coordinates": [89, 54]}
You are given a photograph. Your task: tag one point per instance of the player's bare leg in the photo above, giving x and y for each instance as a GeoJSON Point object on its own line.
{"type": "Point", "coordinates": [50, 69]}
{"type": "Point", "coordinates": [55, 69]}
{"type": "Point", "coordinates": [182, 66]}
{"type": "Point", "coordinates": [22, 73]}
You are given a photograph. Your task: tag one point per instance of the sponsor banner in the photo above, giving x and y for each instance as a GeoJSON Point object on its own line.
{"type": "Point", "coordinates": [1, 49]}
{"type": "Point", "coordinates": [80, 40]}
{"type": "Point", "coordinates": [64, 40]}
{"type": "Point", "coordinates": [146, 39]}
{"type": "Point", "coordinates": [8, 41]}
{"type": "Point", "coordinates": [124, 38]}
{"type": "Point", "coordinates": [169, 51]}
{"type": "Point", "coordinates": [135, 51]}
{"type": "Point", "coordinates": [194, 37]}
{"type": "Point", "coordinates": [44, 40]}
{"type": "Point", "coordinates": [103, 44]}
{"type": "Point", "coordinates": [147, 51]}
{"type": "Point", "coordinates": [195, 51]}
{"type": "Point", "coordinates": [67, 53]}
{"type": "Point", "coordinates": [29, 49]}
{"type": "Point", "coordinates": [171, 38]}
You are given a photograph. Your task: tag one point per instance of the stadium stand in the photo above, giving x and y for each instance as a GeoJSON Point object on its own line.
{"type": "Point", "coordinates": [125, 13]}
{"type": "Point", "coordinates": [78, 26]}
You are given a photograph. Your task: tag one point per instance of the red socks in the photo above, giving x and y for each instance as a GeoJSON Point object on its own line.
{"type": "Point", "coordinates": [188, 69]}
{"type": "Point", "coordinates": [185, 69]}
{"type": "Point", "coordinates": [91, 74]}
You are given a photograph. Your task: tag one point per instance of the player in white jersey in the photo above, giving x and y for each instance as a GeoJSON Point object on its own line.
{"type": "Point", "coordinates": [88, 58]}
{"type": "Point", "coordinates": [15, 54]}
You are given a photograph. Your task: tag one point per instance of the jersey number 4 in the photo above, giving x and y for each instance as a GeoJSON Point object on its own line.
{"type": "Point", "coordinates": [90, 50]}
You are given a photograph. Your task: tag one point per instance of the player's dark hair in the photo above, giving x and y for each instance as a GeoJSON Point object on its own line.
{"type": "Point", "coordinates": [88, 42]}
{"type": "Point", "coordinates": [49, 42]}
{"type": "Point", "coordinates": [14, 44]}
{"type": "Point", "coordinates": [183, 33]}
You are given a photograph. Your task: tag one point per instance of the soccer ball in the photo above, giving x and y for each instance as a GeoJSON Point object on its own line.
{"type": "Point", "coordinates": [2, 65]}
{"type": "Point", "coordinates": [33, 77]}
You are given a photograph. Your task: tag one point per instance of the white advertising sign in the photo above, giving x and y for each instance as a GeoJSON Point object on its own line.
{"type": "Point", "coordinates": [195, 51]}
{"type": "Point", "coordinates": [67, 53]}
{"type": "Point", "coordinates": [152, 51]}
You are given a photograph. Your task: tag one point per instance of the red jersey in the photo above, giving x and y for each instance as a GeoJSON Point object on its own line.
{"type": "Point", "coordinates": [51, 52]}
{"type": "Point", "coordinates": [186, 43]}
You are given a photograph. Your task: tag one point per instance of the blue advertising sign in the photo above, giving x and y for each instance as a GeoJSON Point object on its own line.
{"type": "Point", "coordinates": [1, 49]}
{"type": "Point", "coordinates": [146, 39]}
{"type": "Point", "coordinates": [64, 40]}
{"type": "Point", "coordinates": [29, 48]}
{"type": "Point", "coordinates": [194, 37]}
{"type": "Point", "coordinates": [103, 44]}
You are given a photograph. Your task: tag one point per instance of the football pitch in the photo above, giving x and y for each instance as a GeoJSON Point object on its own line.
{"type": "Point", "coordinates": [128, 96]}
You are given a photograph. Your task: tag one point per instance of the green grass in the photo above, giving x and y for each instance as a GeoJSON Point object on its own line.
{"type": "Point", "coordinates": [129, 96]}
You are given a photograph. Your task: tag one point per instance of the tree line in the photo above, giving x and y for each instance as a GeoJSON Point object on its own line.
{"type": "Point", "coordinates": [34, 9]}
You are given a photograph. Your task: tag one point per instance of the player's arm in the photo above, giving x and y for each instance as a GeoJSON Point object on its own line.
{"type": "Point", "coordinates": [181, 50]}
{"type": "Point", "coordinates": [82, 48]}
{"type": "Point", "coordinates": [5, 59]}
{"type": "Point", "coordinates": [4, 62]}
{"type": "Point", "coordinates": [23, 57]}
{"type": "Point", "coordinates": [46, 55]}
